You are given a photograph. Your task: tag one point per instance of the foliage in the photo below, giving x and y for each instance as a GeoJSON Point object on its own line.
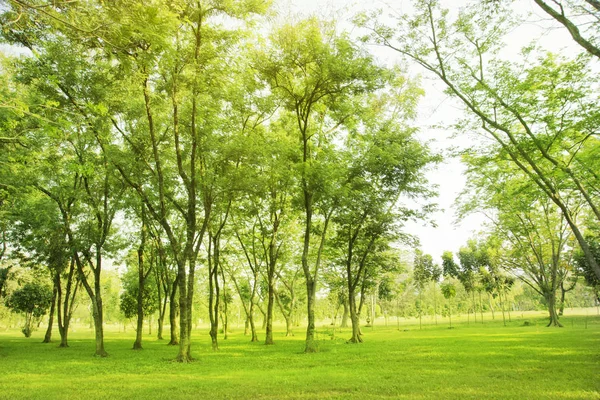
{"type": "Point", "coordinates": [33, 300]}
{"type": "Point", "coordinates": [537, 112]}
{"type": "Point", "coordinates": [448, 290]}
{"type": "Point", "coordinates": [583, 268]}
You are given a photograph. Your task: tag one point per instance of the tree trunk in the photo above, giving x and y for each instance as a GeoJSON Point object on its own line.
{"type": "Point", "coordinates": [225, 320]}
{"type": "Point", "coordinates": [480, 307]}
{"type": "Point", "coordinates": [474, 302]}
{"type": "Point", "coordinates": [65, 309]}
{"type": "Point", "coordinates": [64, 333]}
{"type": "Point", "coordinates": [450, 312]}
{"type": "Point", "coordinates": [137, 345]}
{"type": "Point", "coordinates": [354, 318]}
{"type": "Point", "coordinates": [289, 328]}
{"type": "Point", "coordinates": [162, 289]}
{"type": "Point", "coordinates": [311, 298]}
{"type": "Point", "coordinates": [420, 307]}
{"type": "Point", "coordinates": [345, 315]}
{"type": "Point", "coordinates": [254, 337]}
{"type": "Point", "coordinates": [48, 335]}
{"type": "Point", "coordinates": [161, 317]}
{"type": "Point", "coordinates": [287, 313]}
{"type": "Point", "coordinates": [99, 326]}
{"type": "Point", "coordinates": [213, 289]}
{"type": "Point", "coordinates": [508, 307]}
{"type": "Point", "coordinates": [97, 308]}
{"type": "Point", "coordinates": [551, 302]}
{"type": "Point", "coordinates": [264, 314]}
{"type": "Point", "coordinates": [269, 319]}
{"type": "Point", "coordinates": [252, 325]}
{"type": "Point", "coordinates": [502, 307]}
{"type": "Point", "coordinates": [563, 292]}
{"type": "Point", "coordinates": [173, 315]}
{"type": "Point", "coordinates": [27, 327]}
{"type": "Point", "coordinates": [435, 302]}
{"type": "Point", "coordinates": [184, 354]}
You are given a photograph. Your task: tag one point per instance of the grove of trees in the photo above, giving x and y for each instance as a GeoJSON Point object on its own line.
{"type": "Point", "coordinates": [226, 157]}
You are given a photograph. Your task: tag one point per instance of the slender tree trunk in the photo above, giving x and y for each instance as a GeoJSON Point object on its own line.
{"type": "Point", "coordinates": [480, 307]}
{"type": "Point", "coordinates": [474, 306]}
{"type": "Point", "coordinates": [28, 323]}
{"type": "Point", "coordinates": [264, 316]}
{"type": "Point", "coordinates": [213, 287]}
{"type": "Point", "coordinates": [354, 318]}
{"type": "Point", "coordinates": [254, 337]}
{"type": "Point", "coordinates": [491, 306]}
{"type": "Point", "coordinates": [185, 344]}
{"type": "Point", "coordinates": [161, 321]}
{"type": "Point", "coordinates": [269, 319]}
{"type": "Point", "coordinates": [97, 310]}
{"type": "Point", "coordinates": [420, 307]}
{"type": "Point", "coordinates": [173, 315]}
{"type": "Point", "coordinates": [48, 335]}
{"type": "Point", "coordinates": [224, 307]}
{"type": "Point", "coordinates": [435, 302]}
{"type": "Point", "coordinates": [468, 315]}
{"type": "Point", "coordinates": [563, 292]}
{"type": "Point", "coordinates": [162, 289]}
{"type": "Point", "coordinates": [311, 298]}
{"type": "Point", "coordinates": [502, 307]}
{"type": "Point", "coordinates": [65, 309]}
{"type": "Point", "coordinates": [287, 314]}
{"type": "Point", "coordinates": [137, 345]}
{"type": "Point", "coordinates": [345, 315]}
{"type": "Point", "coordinates": [225, 319]}
{"type": "Point", "coordinates": [508, 307]}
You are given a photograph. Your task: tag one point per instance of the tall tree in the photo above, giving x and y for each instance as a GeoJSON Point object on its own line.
{"type": "Point", "coordinates": [540, 111]}
{"type": "Point", "coordinates": [315, 72]}
{"type": "Point", "coordinates": [531, 233]}
{"type": "Point", "coordinates": [422, 267]}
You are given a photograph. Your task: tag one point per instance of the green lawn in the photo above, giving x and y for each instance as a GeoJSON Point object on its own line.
{"type": "Point", "coordinates": [469, 362]}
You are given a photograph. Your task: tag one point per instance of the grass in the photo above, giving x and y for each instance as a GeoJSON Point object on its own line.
{"type": "Point", "coordinates": [473, 361]}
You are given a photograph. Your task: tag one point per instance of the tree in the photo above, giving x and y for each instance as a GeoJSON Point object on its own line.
{"type": "Point", "coordinates": [580, 18]}
{"type": "Point", "coordinates": [449, 292]}
{"type": "Point", "coordinates": [422, 268]}
{"type": "Point", "coordinates": [138, 298]}
{"type": "Point", "coordinates": [530, 235]}
{"type": "Point", "coordinates": [33, 299]}
{"type": "Point", "coordinates": [384, 164]}
{"type": "Point", "coordinates": [540, 112]}
{"type": "Point", "coordinates": [585, 270]}
{"type": "Point", "coordinates": [314, 72]}
{"type": "Point", "coordinates": [472, 258]}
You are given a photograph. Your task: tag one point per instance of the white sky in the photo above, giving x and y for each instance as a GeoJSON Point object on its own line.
{"type": "Point", "coordinates": [437, 108]}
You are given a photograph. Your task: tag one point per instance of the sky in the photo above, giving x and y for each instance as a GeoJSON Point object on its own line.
{"type": "Point", "coordinates": [437, 108]}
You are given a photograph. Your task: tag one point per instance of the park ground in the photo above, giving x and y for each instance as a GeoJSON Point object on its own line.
{"type": "Point", "coordinates": [523, 360]}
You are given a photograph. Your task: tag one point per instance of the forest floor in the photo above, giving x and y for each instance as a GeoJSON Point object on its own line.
{"type": "Point", "coordinates": [471, 361]}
